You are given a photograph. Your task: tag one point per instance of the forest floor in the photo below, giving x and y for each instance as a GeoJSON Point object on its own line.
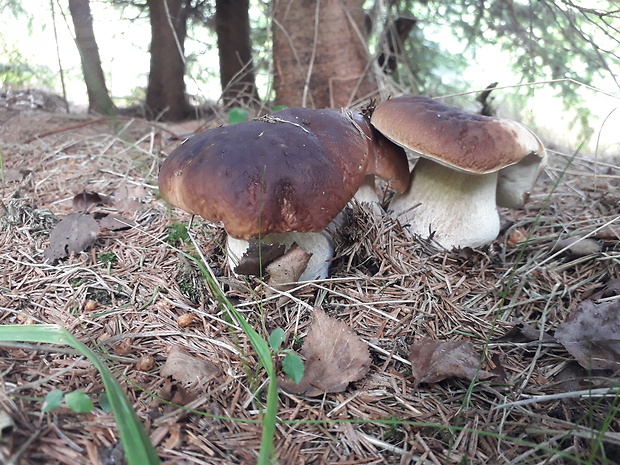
{"type": "Point", "coordinates": [132, 298]}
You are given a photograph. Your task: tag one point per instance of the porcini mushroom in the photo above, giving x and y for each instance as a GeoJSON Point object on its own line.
{"type": "Point", "coordinates": [279, 180]}
{"type": "Point", "coordinates": [468, 164]}
{"type": "Point", "coordinates": [388, 161]}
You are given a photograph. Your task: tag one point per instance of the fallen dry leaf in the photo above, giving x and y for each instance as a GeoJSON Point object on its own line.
{"type": "Point", "coordinates": [612, 288]}
{"type": "Point", "coordinates": [574, 377]}
{"type": "Point", "coordinates": [190, 371]}
{"type": "Point", "coordinates": [524, 332]}
{"type": "Point", "coordinates": [257, 256]}
{"type": "Point", "coordinates": [288, 268]}
{"type": "Point", "coordinates": [577, 246]}
{"type": "Point", "coordinates": [112, 222]}
{"type": "Point", "coordinates": [13, 175]}
{"type": "Point", "coordinates": [591, 334]}
{"type": "Point", "coordinates": [128, 198]}
{"type": "Point", "coordinates": [74, 233]}
{"type": "Point", "coordinates": [433, 361]}
{"type": "Point", "coordinates": [334, 356]}
{"type": "Point", "coordinates": [499, 372]}
{"type": "Point", "coordinates": [86, 199]}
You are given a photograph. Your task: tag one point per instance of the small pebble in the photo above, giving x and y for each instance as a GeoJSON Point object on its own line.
{"type": "Point", "coordinates": [185, 320]}
{"type": "Point", "coordinates": [146, 363]}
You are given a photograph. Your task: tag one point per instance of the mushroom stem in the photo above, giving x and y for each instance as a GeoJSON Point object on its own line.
{"type": "Point", "coordinates": [516, 181]}
{"type": "Point", "coordinates": [319, 245]}
{"type": "Point", "coordinates": [456, 208]}
{"type": "Point", "coordinates": [367, 192]}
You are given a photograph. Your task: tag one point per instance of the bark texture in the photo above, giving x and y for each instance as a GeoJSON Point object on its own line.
{"type": "Point", "coordinates": [320, 53]}
{"type": "Point", "coordinates": [232, 25]}
{"type": "Point", "coordinates": [98, 97]}
{"type": "Point", "coordinates": [165, 94]}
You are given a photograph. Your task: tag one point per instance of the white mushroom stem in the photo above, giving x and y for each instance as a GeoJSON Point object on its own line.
{"type": "Point", "coordinates": [367, 194]}
{"type": "Point", "coordinates": [456, 208]}
{"type": "Point", "coordinates": [319, 245]}
{"type": "Point", "coordinates": [516, 181]}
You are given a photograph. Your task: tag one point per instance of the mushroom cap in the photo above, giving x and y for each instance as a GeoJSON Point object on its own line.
{"type": "Point", "coordinates": [294, 170]}
{"type": "Point", "coordinates": [389, 162]}
{"type": "Point", "coordinates": [387, 159]}
{"type": "Point", "coordinates": [453, 137]}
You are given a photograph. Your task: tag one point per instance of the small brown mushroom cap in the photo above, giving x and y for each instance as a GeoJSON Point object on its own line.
{"type": "Point", "coordinates": [293, 170]}
{"type": "Point", "coordinates": [387, 159]}
{"type": "Point", "coordinates": [455, 138]}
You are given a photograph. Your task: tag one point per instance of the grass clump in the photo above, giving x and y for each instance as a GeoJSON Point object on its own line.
{"type": "Point", "coordinates": [177, 234]}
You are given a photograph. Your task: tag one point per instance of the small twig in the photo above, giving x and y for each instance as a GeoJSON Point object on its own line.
{"type": "Point", "coordinates": [386, 353]}
{"type": "Point", "coordinates": [65, 129]}
{"type": "Point", "coordinates": [275, 119]}
{"type": "Point", "coordinates": [564, 249]}
{"type": "Point", "coordinates": [385, 445]}
{"type": "Point", "coordinates": [304, 97]}
{"type": "Point", "coordinates": [548, 443]}
{"type": "Point", "coordinates": [61, 71]}
{"type": "Point", "coordinates": [72, 444]}
{"type": "Point", "coordinates": [529, 84]}
{"type": "Point", "coordinates": [37, 347]}
{"type": "Point", "coordinates": [600, 392]}
{"type": "Point", "coordinates": [427, 449]}
{"type": "Point", "coordinates": [349, 115]}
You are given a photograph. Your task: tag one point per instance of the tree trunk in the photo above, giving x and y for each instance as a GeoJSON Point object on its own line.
{"type": "Point", "coordinates": [232, 25]}
{"type": "Point", "coordinates": [320, 54]}
{"type": "Point", "coordinates": [165, 94]}
{"type": "Point", "coordinates": [98, 97]}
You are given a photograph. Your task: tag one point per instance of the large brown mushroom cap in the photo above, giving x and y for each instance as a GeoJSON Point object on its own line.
{"type": "Point", "coordinates": [294, 170]}
{"type": "Point", "coordinates": [455, 138]}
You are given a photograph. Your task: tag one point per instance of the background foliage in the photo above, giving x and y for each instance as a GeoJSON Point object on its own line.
{"type": "Point", "coordinates": [454, 47]}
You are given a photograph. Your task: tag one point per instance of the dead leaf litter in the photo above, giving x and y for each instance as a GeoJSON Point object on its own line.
{"type": "Point", "coordinates": [389, 292]}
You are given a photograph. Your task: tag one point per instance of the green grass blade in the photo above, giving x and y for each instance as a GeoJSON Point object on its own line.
{"type": "Point", "coordinates": [136, 443]}
{"type": "Point", "coordinates": [261, 346]}
{"type": "Point", "coordinates": [266, 454]}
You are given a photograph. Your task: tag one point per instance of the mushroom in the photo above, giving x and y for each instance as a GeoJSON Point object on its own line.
{"type": "Point", "coordinates": [388, 161]}
{"type": "Point", "coordinates": [278, 180]}
{"type": "Point", "coordinates": [468, 165]}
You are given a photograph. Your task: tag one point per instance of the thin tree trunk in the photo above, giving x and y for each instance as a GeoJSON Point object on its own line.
{"type": "Point", "coordinates": [165, 94]}
{"type": "Point", "coordinates": [232, 25]}
{"type": "Point", "coordinates": [397, 33]}
{"type": "Point", "coordinates": [98, 96]}
{"type": "Point", "coordinates": [320, 53]}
